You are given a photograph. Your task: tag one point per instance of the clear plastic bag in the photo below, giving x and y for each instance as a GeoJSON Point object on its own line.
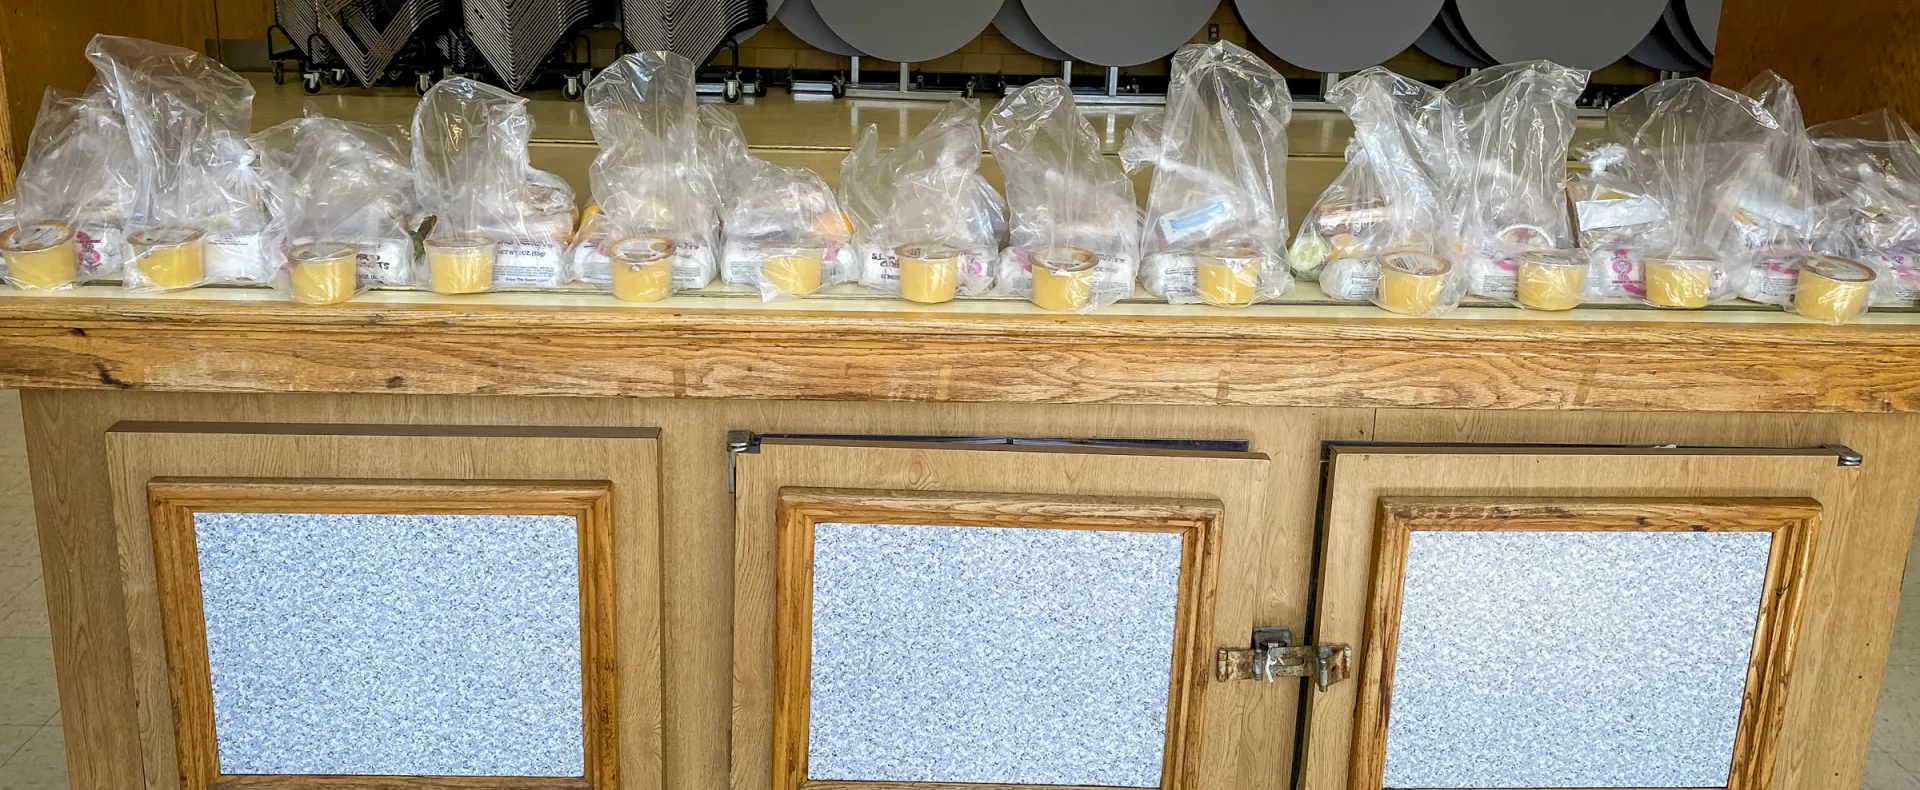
{"type": "Point", "coordinates": [1772, 212]}
{"type": "Point", "coordinates": [1867, 190]}
{"type": "Point", "coordinates": [201, 213]}
{"type": "Point", "coordinates": [784, 231]}
{"type": "Point", "coordinates": [1613, 218]}
{"type": "Point", "coordinates": [1216, 221]}
{"type": "Point", "coordinates": [1504, 135]}
{"type": "Point", "coordinates": [498, 222]}
{"type": "Point", "coordinates": [1390, 250]}
{"type": "Point", "coordinates": [74, 195]}
{"type": "Point", "coordinates": [344, 192]}
{"type": "Point", "coordinates": [1695, 147]}
{"type": "Point", "coordinates": [655, 226]}
{"type": "Point", "coordinates": [1074, 228]}
{"type": "Point", "coordinates": [925, 221]}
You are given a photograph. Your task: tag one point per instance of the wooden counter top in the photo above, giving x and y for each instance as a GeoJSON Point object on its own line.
{"type": "Point", "coordinates": [855, 346]}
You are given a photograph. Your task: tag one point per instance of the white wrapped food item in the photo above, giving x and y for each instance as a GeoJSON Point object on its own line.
{"type": "Point", "coordinates": [1613, 217]}
{"type": "Point", "coordinates": [344, 192]}
{"type": "Point", "coordinates": [1216, 220]}
{"type": "Point", "coordinates": [74, 195]}
{"type": "Point", "coordinates": [200, 211]}
{"type": "Point", "coordinates": [1073, 231]}
{"type": "Point", "coordinates": [1773, 212]}
{"type": "Point", "coordinates": [927, 225]}
{"type": "Point", "coordinates": [1504, 134]}
{"type": "Point", "coordinates": [1384, 233]}
{"type": "Point", "coordinates": [1692, 145]}
{"type": "Point", "coordinates": [656, 219]}
{"type": "Point", "coordinates": [1868, 200]}
{"type": "Point", "coordinates": [497, 221]}
{"type": "Point", "coordinates": [784, 231]}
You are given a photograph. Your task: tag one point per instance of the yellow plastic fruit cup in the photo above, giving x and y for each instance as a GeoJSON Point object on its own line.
{"type": "Point", "coordinates": [170, 259]}
{"type": "Point", "coordinates": [1411, 282]}
{"type": "Point", "coordinates": [793, 270]}
{"type": "Point", "coordinates": [1832, 290]}
{"type": "Point", "coordinates": [1551, 280]}
{"type": "Point", "coordinates": [929, 273]}
{"type": "Point", "coordinates": [460, 264]}
{"type": "Point", "coordinates": [1685, 283]}
{"type": "Point", "coordinates": [1063, 279]}
{"type": "Point", "coordinates": [642, 268]}
{"type": "Point", "coordinates": [323, 272]}
{"type": "Point", "coordinates": [1228, 276]}
{"type": "Point", "coordinates": [41, 256]}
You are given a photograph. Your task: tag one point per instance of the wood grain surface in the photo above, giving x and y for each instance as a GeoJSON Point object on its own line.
{"type": "Point", "coordinates": [993, 352]}
{"type": "Point", "coordinates": [1844, 57]}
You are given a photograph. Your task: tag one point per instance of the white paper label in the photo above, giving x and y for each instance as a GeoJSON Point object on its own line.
{"type": "Point", "coordinates": [529, 264]}
{"type": "Point", "coordinates": [386, 261]}
{"type": "Point", "coordinates": [237, 255]}
{"type": "Point", "coordinates": [1595, 214]}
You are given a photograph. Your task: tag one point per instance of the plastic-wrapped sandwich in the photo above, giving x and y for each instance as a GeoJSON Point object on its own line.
{"type": "Point", "coordinates": [344, 192]}
{"type": "Point", "coordinates": [1073, 233]}
{"type": "Point", "coordinates": [74, 196]}
{"type": "Point", "coordinates": [927, 225]}
{"type": "Point", "coordinates": [1868, 203]}
{"type": "Point", "coordinates": [498, 222]}
{"type": "Point", "coordinates": [785, 232]}
{"type": "Point", "coordinates": [1378, 233]}
{"type": "Point", "coordinates": [200, 210]}
{"type": "Point", "coordinates": [1504, 133]}
{"type": "Point", "coordinates": [655, 222]}
{"type": "Point", "coordinates": [1216, 222]}
{"type": "Point", "coordinates": [1689, 145]}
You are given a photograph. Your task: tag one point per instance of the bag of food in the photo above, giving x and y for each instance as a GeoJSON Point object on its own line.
{"type": "Point", "coordinates": [1378, 232]}
{"type": "Point", "coordinates": [1613, 218]}
{"type": "Point", "coordinates": [1504, 133]}
{"type": "Point", "coordinates": [200, 207]}
{"type": "Point", "coordinates": [926, 224]}
{"type": "Point", "coordinates": [785, 234]}
{"type": "Point", "coordinates": [654, 223]}
{"type": "Point", "coordinates": [1867, 190]}
{"type": "Point", "coordinates": [1216, 221]}
{"type": "Point", "coordinates": [1073, 232]}
{"type": "Point", "coordinates": [497, 221]}
{"type": "Point", "coordinates": [1772, 210]}
{"type": "Point", "coordinates": [1692, 145]}
{"type": "Point", "coordinates": [74, 194]}
{"type": "Point", "coordinates": [344, 192]}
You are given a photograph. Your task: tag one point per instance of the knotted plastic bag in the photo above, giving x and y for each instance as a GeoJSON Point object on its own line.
{"type": "Point", "coordinates": [200, 207]}
{"type": "Point", "coordinates": [785, 232]}
{"type": "Point", "coordinates": [1378, 232]}
{"type": "Point", "coordinates": [344, 192]}
{"type": "Point", "coordinates": [1772, 212]}
{"type": "Point", "coordinates": [927, 225]}
{"type": "Point", "coordinates": [1868, 200]}
{"type": "Point", "coordinates": [74, 196]}
{"type": "Point", "coordinates": [657, 221]}
{"type": "Point", "coordinates": [1504, 134]}
{"type": "Point", "coordinates": [1698, 149]}
{"type": "Point", "coordinates": [1216, 221]}
{"type": "Point", "coordinates": [498, 222]}
{"type": "Point", "coordinates": [1073, 228]}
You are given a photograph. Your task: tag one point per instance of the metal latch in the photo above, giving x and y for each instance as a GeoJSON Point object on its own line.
{"type": "Point", "coordinates": [1274, 655]}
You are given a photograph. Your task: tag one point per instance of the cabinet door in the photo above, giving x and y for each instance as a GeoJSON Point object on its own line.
{"type": "Point", "coordinates": [1562, 617]}
{"type": "Point", "coordinates": [324, 607]}
{"type": "Point", "coordinates": [940, 615]}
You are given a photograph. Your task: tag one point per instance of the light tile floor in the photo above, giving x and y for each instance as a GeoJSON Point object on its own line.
{"type": "Point", "coordinates": [33, 749]}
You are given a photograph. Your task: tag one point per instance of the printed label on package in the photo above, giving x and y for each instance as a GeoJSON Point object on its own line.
{"type": "Point", "coordinates": [237, 255]}
{"type": "Point", "coordinates": [528, 264]}
{"type": "Point", "coordinates": [386, 261]}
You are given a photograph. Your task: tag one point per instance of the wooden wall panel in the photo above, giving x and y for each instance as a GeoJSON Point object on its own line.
{"type": "Point", "coordinates": [43, 45]}
{"type": "Point", "coordinates": [1845, 57]}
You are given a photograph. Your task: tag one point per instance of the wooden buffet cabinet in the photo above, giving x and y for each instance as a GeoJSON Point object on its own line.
{"type": "Point", "coordinates": [540, 540]}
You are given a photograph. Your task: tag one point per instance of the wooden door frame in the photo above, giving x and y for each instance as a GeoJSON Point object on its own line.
{"type": "Point", "coordinates": [173, 502]}
{"type": "Point", "coordinates": [1197, 522]}
{"type": "Point", "coordinates": [1793, 522]}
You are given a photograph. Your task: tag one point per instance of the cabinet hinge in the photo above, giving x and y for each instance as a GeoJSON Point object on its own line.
{"type": "Point", "coordinates": [1273, 655]}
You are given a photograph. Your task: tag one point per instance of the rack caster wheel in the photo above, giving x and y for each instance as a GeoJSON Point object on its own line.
{"type": "Point", "coordinates": [422, 81]}
{"type": "Point", "coordinates": [339, 76]}
{"type": "Point", "coordinates": [731, 93]}
{"type": "Point", "coordinates": [573, 87]}
{"type": "Point", "coordinates": [310, 81]}
{"type": "Point", "coordinates": [839, 87]}
{"type": "Point", "coordinates": [279, 73]}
